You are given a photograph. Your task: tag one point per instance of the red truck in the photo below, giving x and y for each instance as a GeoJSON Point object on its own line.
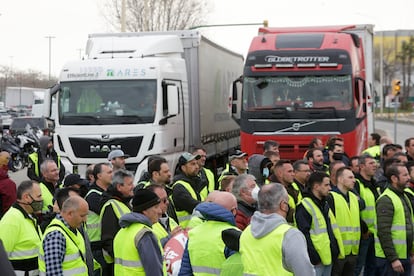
{"type": "Point", "coordinates": [305, 82]}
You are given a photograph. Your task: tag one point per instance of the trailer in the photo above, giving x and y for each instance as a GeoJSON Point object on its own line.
{"type": "Point", "coordinates": [146, 93]}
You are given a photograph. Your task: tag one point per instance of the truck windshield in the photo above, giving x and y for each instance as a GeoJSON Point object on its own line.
{"type": "Point", "coordinates": [299, 92]}
{"type": "Point", "coordinates": [107, 102]}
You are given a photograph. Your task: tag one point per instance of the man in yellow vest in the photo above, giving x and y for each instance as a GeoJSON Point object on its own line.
{"type": "Point", "coordinates": [316, 221]}
{"type": "Point", "coordinates": [102, 173]}
{"type": "Point", "coordinates": [269, 245]}
{"type": "Point", "coordinates": [345, 206]}
{"type": "Point", "coordinates": [117, 197]}
{"type": "Point", "coordinates": [302, 172]}
{"type": "Point", "coordinates": [237, 164]}
{"type": "Point", "coordinates": [205, 174]}
{"type": "Point", "coordinates": [366, 188]}
{"type": "Point", "coordinates": [284, 174]}
{"type": "Point", "coordinates": [158, 173]}
{"type": "Point", "coordinates": [137, 251]}
{"type": "Point", "coordinates": [166, 227]}
{"type": "Point", "coordinates": [19, 229]}
{"type": "Point", "coordinates": [187, 187]}
{"type": "Point", "coordinates": [45, 151]}
{"type": "Point", "coordinates": [49, 183]}
{"type": "Point", "coordinates": [204, 252]}
{"type": "Point", "coordinates": [394, 248]}
{"type": "Point", "coordinates": [63, 250]}
{"type": "Point", "coordinates": [374, 148]}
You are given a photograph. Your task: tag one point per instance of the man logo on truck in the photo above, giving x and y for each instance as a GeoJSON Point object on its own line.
{"type": "Point", "coordinates": [104, 148]}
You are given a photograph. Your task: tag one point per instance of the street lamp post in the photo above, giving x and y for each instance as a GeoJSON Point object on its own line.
{"type": "Point", "coordinates": [50, 52]}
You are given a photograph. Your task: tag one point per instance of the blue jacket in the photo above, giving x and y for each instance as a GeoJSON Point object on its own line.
{"type": "Point", "coordinates": [210, 211]}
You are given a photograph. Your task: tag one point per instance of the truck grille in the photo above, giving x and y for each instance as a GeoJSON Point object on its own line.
{"type": "Point", "coordinates": [95, 148]}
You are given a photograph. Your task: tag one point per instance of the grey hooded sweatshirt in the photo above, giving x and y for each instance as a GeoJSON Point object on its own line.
{"type": "Point", "coordinates": [294, 249]}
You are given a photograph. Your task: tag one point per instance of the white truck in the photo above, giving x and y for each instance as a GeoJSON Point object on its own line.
{"type": "Point", "coordinates": [145, 93]}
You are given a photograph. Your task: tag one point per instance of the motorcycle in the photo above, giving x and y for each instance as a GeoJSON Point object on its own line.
{"type": "Point", "coordinates": [9, 144]}
{"type": "Point", "coordinates": [28, 143]}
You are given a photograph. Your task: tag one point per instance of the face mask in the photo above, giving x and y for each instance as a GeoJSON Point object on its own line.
{"type": "Point", "coordinates": [255, 193]}
{"type": "Point", "coordinates": [36, 205]}
{"type": "Point", "coordinates": [337, 156]}
{"type": "Point", "coordinates": [266, 172]}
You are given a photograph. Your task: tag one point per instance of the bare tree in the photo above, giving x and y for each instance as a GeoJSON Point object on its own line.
{"type": "Point", "coordinates": [156, 15]}
{"type": "Point", "coordinates": [29, 78]}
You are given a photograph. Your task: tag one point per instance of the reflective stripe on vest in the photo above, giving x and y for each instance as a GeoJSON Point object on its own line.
{"type": "Point", "coordinates": [23, 254]}
{"type": "Point", "coordinates": [183, 216]}
{"type": "Point", "coordinates": [319, 233]}
{"type": "Point", "coordinates": [263, 256]}
{"type": "Point", "coordinates": [398, 228]}
{"type": "Point", "coordinates": [205, 270]}
{"type": "Point", "coordinates": [347, 218]}
{"type": "Point", "coordinates": [368, 214]}
{"type": "Point", "coordinates": [296, 188]}
{"type": "Point", "coordinates": [93, 222]}
{"type": "Point", "coordinates": [128, 263]}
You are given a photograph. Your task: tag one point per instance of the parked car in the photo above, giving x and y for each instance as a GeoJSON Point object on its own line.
{"type": "Point", "coordinates": [6, 118]}
{"type": "Point", "coordinates": [18, 125]}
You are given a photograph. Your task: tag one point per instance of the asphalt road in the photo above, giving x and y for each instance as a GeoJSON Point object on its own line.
{"type": "Point", "coordinates": [19, 176]}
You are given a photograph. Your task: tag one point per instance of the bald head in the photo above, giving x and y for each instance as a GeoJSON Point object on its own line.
{"type": "Point", "coordinates": [212, 196]}
{"type": "Point", "coordinates": [224, 199]}
{"type": "Point", "coordinates": [74, 211]}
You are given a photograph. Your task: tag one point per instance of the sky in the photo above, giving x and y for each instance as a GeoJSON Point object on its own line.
{"type": "Point", "coordinates": [26, 24]}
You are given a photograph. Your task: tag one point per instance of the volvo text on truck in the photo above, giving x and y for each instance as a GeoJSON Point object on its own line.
{"type": "Point", "coordinates": [145, 93]}
{"type": "Point", "coordinates": [303, 82]}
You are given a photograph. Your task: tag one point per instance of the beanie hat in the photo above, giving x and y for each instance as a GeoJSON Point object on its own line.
{"type": "Point", "coordinates": [144, 199]}
{"type": "Point", "coordinates": [73, 179]}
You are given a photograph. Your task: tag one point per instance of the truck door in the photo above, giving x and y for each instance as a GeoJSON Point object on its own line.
{"type": "Point", "coordinates": [173, 117]}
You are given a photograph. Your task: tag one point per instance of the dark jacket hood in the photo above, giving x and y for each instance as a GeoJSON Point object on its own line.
{"type": "Point", "coordinates": [213, 211]}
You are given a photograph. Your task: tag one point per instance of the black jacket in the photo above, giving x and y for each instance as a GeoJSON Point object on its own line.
{"type": "Point", "coordinates": [182, 199]}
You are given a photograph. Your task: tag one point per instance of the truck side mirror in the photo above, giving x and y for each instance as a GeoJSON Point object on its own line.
{"type": "Point", "coordinates": [47, 105]}
{"type": "Point", "coordinates": [235, 94]}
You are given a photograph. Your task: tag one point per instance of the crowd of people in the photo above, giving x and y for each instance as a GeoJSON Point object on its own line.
{"type": "Point", "coordinates": [325, 214]}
